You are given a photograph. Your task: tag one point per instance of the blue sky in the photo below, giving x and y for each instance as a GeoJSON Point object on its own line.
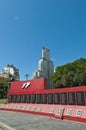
{"type": "Point", "coordinates": [28, 25]}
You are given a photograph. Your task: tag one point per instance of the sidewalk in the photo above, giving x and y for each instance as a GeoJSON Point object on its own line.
{"type": "Point", "coordinates": [22, 121]}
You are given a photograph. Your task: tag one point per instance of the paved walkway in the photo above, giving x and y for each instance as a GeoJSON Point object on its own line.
{"type": "Point", "coordinates": [22, 121]}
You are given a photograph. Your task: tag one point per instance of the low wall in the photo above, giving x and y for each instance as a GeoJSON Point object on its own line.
{"type": "Point", "coordinates": [69, 112]}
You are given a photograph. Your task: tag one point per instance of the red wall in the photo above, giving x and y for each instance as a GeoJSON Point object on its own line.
{"type": "Point", "coordinates": [35, 84]}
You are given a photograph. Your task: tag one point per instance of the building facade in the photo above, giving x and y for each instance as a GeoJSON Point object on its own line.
{"type": "Point", "coordinates": [10, 72]}
{"type": "Point", "coordinates": [45, 66]}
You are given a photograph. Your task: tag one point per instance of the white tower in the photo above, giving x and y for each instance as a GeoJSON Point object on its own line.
{"type": "Point", "coordinates": [45, 66]}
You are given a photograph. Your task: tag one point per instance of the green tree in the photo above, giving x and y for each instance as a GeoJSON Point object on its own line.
{"type": "Point", "coordinates": [71, 74]}
{"type": "Point", "coordinates": [3, 87]}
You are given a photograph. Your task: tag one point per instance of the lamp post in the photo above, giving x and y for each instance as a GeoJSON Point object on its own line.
{"type": "Point", "coordinates": [26, 76]}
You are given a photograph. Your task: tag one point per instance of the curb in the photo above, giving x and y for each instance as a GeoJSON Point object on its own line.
{"type": "Point", "coordinates": [5, 127]}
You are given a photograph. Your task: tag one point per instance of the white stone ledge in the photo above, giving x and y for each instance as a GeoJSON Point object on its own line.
{"type": "Point", "coordinates": [5, 127]}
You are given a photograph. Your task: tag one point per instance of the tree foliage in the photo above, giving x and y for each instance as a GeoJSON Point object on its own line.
{"type": "Point", "coordinates": [3, 87]}
{"type": "Point", "coordinates": [4, 84]}
{"type": "Point", "coordinates": [71, 74]}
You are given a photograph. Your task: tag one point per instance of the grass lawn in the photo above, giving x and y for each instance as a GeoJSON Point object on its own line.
{"type": "Point", "coordinates": [2, 101]}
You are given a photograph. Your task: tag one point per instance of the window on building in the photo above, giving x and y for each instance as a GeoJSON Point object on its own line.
{"type": "Point", "coordinates": [80, 98]}
{"type": "Point", "coordinates": [33, 98]}
{"type": "Point", "coordinates": [28, 100]}
{"type": "Point", "coordinates": [63, 98]}
{"type": "Point", "coordinates": [44, 98]}
{"type": "Point", "coordinates": [18, 98]}
{"type": "Point", "coordinates": [56, 98]}
{"type": "Point", "coordinates": [50, 98]}
{"type": "Point", "coordinates": [38, 98]}
{"type": "Point", "coordinates": [71, 98]}
{"type": "Point", "coordinates": [14, 98]}
{"type": "Point", "coordinates": [23, 98]}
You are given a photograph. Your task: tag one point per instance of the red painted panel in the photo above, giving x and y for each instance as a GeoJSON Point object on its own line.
{"type": "Point", "coordinates": [35, 84]}
{"type": "Point", "coordinates": [75, 113]}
